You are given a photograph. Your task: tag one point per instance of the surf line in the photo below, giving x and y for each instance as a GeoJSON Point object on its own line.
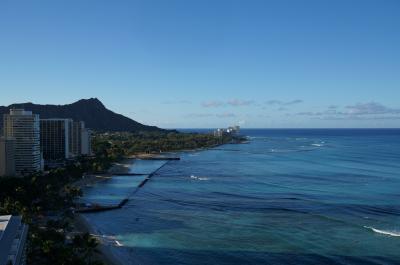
{"type": "Point", "coordinates": [383, 232]}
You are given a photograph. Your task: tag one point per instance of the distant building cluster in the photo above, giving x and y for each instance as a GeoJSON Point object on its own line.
{"type": "Point", "coordinates": [30, 143]}
{"type": "Point", "coordinates": [234, 130]}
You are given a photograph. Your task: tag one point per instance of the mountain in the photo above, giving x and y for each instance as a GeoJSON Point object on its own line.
{"type": "Point", "coordinates": [95, 115]}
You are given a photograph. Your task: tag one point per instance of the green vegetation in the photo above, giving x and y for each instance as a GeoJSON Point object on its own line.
{"type": "Point", "coordinates": [44, 201]}
{"type": "Point", "coordinates": [118, 145]}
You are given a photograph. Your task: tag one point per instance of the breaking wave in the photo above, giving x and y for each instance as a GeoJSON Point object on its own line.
{"type": "Point", "coordinates": [383, 232]}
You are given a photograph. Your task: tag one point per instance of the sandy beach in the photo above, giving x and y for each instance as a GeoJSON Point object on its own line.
{"type": "Point", "coordinates": [81, 225]}
{"type": "Point", "coordinates": [122, 167]}
{"type": "Point", "coordinates": [105, 253]}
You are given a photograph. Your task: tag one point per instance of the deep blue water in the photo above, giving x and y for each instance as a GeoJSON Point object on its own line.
{"type": "Point", "coordinates": [288, 197]}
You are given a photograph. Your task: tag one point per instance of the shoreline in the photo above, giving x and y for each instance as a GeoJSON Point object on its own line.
{"type": "Point", "coordinates": [88, 180]}
{"type": "Point", "coordinates": [104, 253]}
{"type": "Point", "coordinates": [81, 224]}
{"type": "Point", "coordinates": [122, 166]}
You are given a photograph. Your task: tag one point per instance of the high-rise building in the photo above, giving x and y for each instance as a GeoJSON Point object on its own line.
{"type": "Point", "coordinates": [86, 139]}
{"type": "Point", "coordinates": [55, 140]}
{"type": "Point", "coordinates": [24, 127]}
{"type": "Point", "coordinates": [80, 139]}
{"type": "Point", "coordinates": [7, 156]}
{"type": "Point", "coordinates": [76, 137]}
{"type": "Point", "coordinates": [13, 234]}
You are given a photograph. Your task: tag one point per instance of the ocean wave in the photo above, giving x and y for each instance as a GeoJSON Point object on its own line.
{"type": "Point", "coordinates": [318, 145]}
{"type": "Point", "coordinates": [383, 232]}
{"type": "Point", "coordinates": [257, 137]}
{"type": "Point", "coordinates": [199, 178]}
{"type": "Point", "coordinates": [119, 244]}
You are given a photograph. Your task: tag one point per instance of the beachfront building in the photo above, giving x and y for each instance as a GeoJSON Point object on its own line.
{"type": "Point", "coordinates": [76, 137]}
{"type": "Point", "coordinates": [86, 142]}
{"type": "Point", "coordinates": [80, 139]}
{"type": "Point", "coordinates": [233, 130]}
{"type": "Point", "coordinates": [13, 233]}
{"type": "Point", "coordinates": [219, 132]}
{"type": "Point", "coordinates": [7, 156]}
{"type": "Point", "coordinates": [24, 127]}
{"type": "Point", "coordinates": [55, 140]}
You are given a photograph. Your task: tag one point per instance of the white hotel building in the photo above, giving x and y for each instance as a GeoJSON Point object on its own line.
{"type": "Point", "coordinates": [24, 127]}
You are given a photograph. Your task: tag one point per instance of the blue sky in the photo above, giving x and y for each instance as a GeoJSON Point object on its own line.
{"type": "Point", "coordinates": [199, 63]}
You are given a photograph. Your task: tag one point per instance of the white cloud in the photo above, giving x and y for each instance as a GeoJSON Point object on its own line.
{"type": "Point", "coordinates": [370, 108]}
{"type": "Point", "coordinates": [238, 102]}
{"type": "Point", "coordinates": [359, 111]}
{"type": "Point", "coordinates": [212, 104]}
{"type": "Point", "coordinates": [284, 103]}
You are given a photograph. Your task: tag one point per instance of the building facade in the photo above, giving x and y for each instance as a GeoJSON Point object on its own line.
{"type": "Point", "coordinates": [80, 139]}
{"type": "Point", "coordinates": [24, 127]}
{"type": "Point", "coordinates": [7, 156]}
{"type": "Point", "coordinates": [76, 137]}
{"type": "Point", "coordinates": [13, 234]}
{"type": "Point", "coordinates": [86, 142]}
{"type": "Point", "coordinates": [55, 139]}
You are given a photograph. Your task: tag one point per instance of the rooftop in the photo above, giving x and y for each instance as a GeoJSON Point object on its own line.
{"type": "Point", "coordinates": [11, 235]}
{"type": "Point", "coordinates": [20, 112]}
{"type": "Point", "coordinates": [4, 219]}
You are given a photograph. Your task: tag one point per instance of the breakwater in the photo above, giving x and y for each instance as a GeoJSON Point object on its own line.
{"type": "Point", "coordinates": [96, 207]}
{"type": "Point", "coordinates": [160, 158]}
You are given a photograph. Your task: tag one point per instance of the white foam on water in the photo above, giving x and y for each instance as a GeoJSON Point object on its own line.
{"type": "Point", "coordinates": [319, 145]}
{"type": "Point", "coordinates": [383, 232]}
{"type": "Point", "coordinates": [118, 243]}
{"type": "Point", "coordinates": [198, 178]}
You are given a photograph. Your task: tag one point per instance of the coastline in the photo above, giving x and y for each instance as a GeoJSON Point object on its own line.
{"type": "Point", "coordinates": [122, 166]}
{"type": "Point", "coordinates": [81, 224]}
{"type": "Point", "coordinates": [104, 253]}
{"type": "Point", "coordinates": [88, 180]}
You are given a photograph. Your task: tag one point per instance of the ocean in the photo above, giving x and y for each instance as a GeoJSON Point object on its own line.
{"type": "Point", "coordinates": [293, 196]}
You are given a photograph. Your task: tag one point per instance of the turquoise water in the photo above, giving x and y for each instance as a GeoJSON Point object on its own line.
{"type": "Point", "coordinates": [287, 197]}
{"type": "Point", "coordinates": [113, 191]}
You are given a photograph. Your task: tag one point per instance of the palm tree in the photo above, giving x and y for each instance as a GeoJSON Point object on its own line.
{"type": "Point", "coordinates": [86, 245]}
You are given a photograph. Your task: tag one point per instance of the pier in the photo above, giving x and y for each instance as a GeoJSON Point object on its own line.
{"type": "Point", "coordinates": [101, 208]}
{"type": "Point", "coordinates": [160, 158]}
{"type": "Point", "coordinates": [97, 208]}
{"type": "Point", "coordinates": [128, 174]}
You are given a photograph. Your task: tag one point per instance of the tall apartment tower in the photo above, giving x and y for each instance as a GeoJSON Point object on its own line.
{"type": "Point", "coordinates": [55, 140]}
{"type": "Point", "coordinates": [86, 139]}
{"type": "Point", "coordinates": [24, 127]}
{"type": "Point", "coordinates": [76, 137]}
{"type": "Point", "coordinates": [7, 156]}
